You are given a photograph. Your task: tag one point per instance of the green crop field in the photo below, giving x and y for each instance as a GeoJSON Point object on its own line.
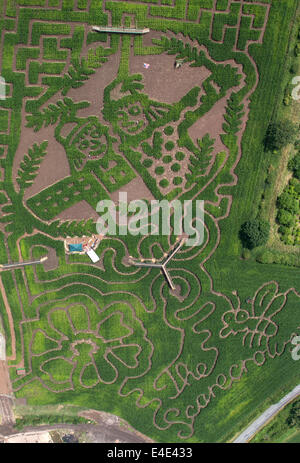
{"type": "Point", "coordinates": [84, 119]}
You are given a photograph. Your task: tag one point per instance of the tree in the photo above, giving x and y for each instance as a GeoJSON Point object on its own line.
{"type": "Point", "coordinates": [200, 160]}
{"type": "Point", "coordinates": [30, 165]}
{"type": "Point", "coordinates": [279, 134]}
{"type": "Point", "coordinates": [294, 415]}
{"type": "Point", "coordinates": [285, 218]}
{"type": "Point", "coordinates": [266, 257]}
{"type": "Point", "coordinates": [295, 186]}
{"type": "Point", "coordinates": [288, 202]}
{"type": "Point", "coordinates": [254, 233]}
{"type": "Point", "coordinates": [294, 165]}
{"type": "Point", "coordinates": [246, 254]}
{"type": "Point", "coordinates": [284, 230]}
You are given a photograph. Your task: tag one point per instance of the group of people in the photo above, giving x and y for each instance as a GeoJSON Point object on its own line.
{"type": "Point", "coordinates": [178, 63]}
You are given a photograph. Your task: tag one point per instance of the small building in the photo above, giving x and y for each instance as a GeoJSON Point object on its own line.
{"type": "Point", "coordinates": [92, 255]}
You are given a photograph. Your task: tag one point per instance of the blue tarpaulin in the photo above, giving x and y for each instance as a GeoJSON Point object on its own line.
{"type": "Point", "coordinates": [75, 247]}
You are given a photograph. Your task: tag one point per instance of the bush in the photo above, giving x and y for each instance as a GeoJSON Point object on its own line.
{"type": "Point", "coordinates": [169, 145]}
{"type": "Point", "coordinates": [276, 257]}
{"type": "Point", "coordinates": [254, 233]}
{"type": "Point", "coordinates": [266, 257]}
{"type": "Point", "coordinates": [147, 163]}
{"type": "Point", "coordinates": [246, 254]}
{"type": "Point", "coordinates": [283, 230]}
{"type": "Point", "coordinates": [288, 202]}
{"type": "Point", "coordinates": [279, 134]}
{"type": "Point", "coordinates": [294, 165]}
{"type": "Point", "coordinates": [159, 170]}
{"type": "Point", "coordinates": [177, 180]}
{"type": "Point", "coordinates": [294, 415]}
{"type": "Point", "coordinates": [164, 183]}
{"type": "Point", "coordinates": [297, 49]}
{"type": "Point", "coordinates": [179, 156]}
{"type": "Point", "coordinates": [294, 185]}
{"type": "Point", "coordinates": [294, 182]}
{"type": "Point", "coordinates": [285, 218]}
{"type": "Point", "coordinates": [288, 239]}
{"type": "Point", "coordinates": [175, 167]}
{"type": "Point", "coordinates": [167, 159]}
{"type": "Point", "coordinates": [168, 130]}
{"type": "Point", "coordinates": [294, 69]}
{"type": "Point", "coordinates": [297, 144]}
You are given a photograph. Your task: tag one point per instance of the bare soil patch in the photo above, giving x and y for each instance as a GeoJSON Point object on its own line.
{"type": "Point", "coordinates": [92, 90]}
{"type": "Point", "coordinates": [54, 166]}
{"type": "Point", "coordinates": [136, 189]}
{"type": "Point", "coordinates": [80, 211]}
{"type": "Point", "coordinates": [162, 81]}
{"type": "Point", "coordinates": [5, 385]}
{"type": "Point", "coordinates": [52, 262]}
{"type": "Point", "coordinates": [212, 124]}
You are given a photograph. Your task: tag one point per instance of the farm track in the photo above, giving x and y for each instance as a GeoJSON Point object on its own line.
{"type": "Point", "coordinates": [6, 412]}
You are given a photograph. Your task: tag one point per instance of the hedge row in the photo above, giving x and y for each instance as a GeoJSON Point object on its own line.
{"type": "Point", "coordinates": [277, 257]}
{"type": "Point", "coordinates": [288, 215]}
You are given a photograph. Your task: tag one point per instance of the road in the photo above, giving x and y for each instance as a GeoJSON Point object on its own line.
{"type": "Point", "coordinates": [107, 428]}
{"type": "Point", "coordinates": [94, 433]}
{"type": "Point", "coordinates": [254, 427]}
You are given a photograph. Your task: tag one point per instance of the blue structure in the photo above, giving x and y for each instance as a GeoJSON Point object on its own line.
{"type": "Point", "coordinates": [75, 247]}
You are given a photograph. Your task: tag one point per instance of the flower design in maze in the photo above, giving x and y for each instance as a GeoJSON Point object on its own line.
{"type": "Point", "coordinates": [91, 140]}
{"type": "Point", "coordinates": [130, 119]}
{"type": "Point", "coordinates": [134, 114]}
{"type": "Point", "coordinates": [74, 345]}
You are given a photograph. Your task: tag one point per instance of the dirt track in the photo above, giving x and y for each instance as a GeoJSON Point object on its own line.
{"type": "Point", "coordinates": [5, 386]}
{"type": "Point", "coordinates": [108, 428]}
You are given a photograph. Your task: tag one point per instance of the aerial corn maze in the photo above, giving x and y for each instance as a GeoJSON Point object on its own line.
{"type": "Point", "coordinates": [88, 115]}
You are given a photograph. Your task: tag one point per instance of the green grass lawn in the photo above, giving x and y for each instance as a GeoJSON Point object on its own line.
{"type": "Point", "coordinates": [293, 439]}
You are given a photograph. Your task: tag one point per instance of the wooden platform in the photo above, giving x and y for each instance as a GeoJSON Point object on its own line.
{"type": "Point", "coordinates": [22, 264]}
{"type": "Point", "coordinates": [120, 30]}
